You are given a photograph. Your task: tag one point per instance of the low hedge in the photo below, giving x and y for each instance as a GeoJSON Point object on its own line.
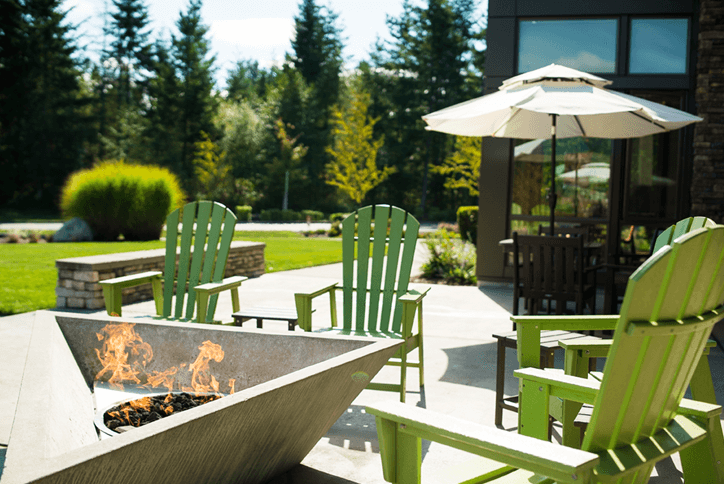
{"type": "Point", "coordinates": [116, 198]}
{"type": "Point", "coordinates": [277, 215]}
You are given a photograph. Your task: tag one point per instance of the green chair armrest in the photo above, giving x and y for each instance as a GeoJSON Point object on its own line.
{"type": "Point", "coordinates": [401, 427]}
{"type": "Point", "coordinates": [529, 328]}
{"type": "Point", "coordinates": [567, 387]}
{"type": "Point", "coordinates": [132, 279]}
{"type": "Point", "coordinates": [113, 289]}
{"type": "Point", "coordinates": [204, 291]}
{"type": "Point", "coordinates": [318, 291]}
{"type": "Point", "coordinates": [303, 302]}
{"type": "Point", "coordinates": [572, 322]}
{"type": "Point", "coordinates": [217, 287]}
{"type": "Point", "coordinates": [701, 410]}
{"type": "Point", "coordinates": [413, 296]}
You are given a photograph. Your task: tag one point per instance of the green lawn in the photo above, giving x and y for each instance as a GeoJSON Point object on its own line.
{"type": "Point", "coordinates": [28, 272]}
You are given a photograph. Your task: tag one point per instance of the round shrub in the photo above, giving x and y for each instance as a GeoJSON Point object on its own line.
{"type": "Point", "coordinates": [117, 198]}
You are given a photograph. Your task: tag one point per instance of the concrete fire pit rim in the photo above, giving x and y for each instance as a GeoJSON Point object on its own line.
{"type": "Point", "coordinates": [323, 334]}
{"type": "Point", "coordinates": [52, 464]}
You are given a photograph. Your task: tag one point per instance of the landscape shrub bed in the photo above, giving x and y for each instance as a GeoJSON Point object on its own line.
{"type": "Point", "coordinates": [116, 198]}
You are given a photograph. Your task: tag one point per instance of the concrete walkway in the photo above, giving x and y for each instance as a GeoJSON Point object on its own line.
{"type": "Point", "coordinates": [460, 357]}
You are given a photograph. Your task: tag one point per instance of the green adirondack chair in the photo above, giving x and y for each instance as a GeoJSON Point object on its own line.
{"type": "Point", "coordinates": [376, 300]}
{"type": "Point", "coordinates": [578, 353]}
{"type": "Point", "coordinates": [639, 414]}
{"type": "Point", "coordinates": [207, 229]}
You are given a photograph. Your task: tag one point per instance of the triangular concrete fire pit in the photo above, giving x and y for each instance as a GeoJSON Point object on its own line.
{"type": "Point", "coordinates": [290, 389]}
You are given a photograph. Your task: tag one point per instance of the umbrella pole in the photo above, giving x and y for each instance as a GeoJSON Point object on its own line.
{"type": "Point", "coordinates": [553, 195]}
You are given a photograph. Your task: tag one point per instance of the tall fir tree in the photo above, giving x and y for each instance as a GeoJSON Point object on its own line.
{"type": "Point", "coordinates": [163, 130]}
{"type": "Point", "coordinates": [317, 55]}
{"type": "Point", "coordinates": [129, 47]}
{"type": "Point", "coordinates": [197, 104]}
{"type": "Point", "coordinates": [427, 66]}
{"type": "Point", "coordinates": [42, 125]}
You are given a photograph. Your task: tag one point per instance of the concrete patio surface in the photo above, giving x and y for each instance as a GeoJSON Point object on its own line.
{"type": "Point", "coordinates": [460, 357]}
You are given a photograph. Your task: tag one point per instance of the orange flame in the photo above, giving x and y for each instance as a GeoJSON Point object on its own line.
{"type": "Point", "coordinates": [231, 386]}
{"type": "Point", "coordinates": [118, 341]}
{"type": "Point", "coordinates": [124, 356]}
{"type": "Point", "coordinates": [202, 380]}
{"type": "Point", "coordinates": [162, 378]}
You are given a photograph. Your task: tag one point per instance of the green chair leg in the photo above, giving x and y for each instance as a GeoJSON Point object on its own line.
{"type": "Point", "coordinates": [113, 297]}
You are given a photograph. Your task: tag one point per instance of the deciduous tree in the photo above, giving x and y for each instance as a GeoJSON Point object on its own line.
{"type": "Point", "coordinates": [353, 165]}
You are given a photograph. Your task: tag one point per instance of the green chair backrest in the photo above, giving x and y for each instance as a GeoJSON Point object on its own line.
{"type": "Point", "coordinates": [381, 274]}
{"type": "Point", "coordinates": [680, 228]}
{"type": "Point", "coordinates": [671, 304]}
{"type": "Point", "coordinates": [207, 229]}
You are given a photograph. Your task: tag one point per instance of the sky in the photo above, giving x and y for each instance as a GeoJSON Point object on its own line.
{"type": "Point", "coordinates": [250, 29]}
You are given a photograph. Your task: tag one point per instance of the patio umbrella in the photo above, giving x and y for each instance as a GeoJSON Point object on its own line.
{"type": "Point", "coordinates": [557, 102]}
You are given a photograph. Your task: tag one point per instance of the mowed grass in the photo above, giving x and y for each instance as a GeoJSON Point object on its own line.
{"type": "Point", "coordinates": [29, 276]}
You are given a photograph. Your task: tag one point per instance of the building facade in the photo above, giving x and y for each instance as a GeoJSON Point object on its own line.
{"type": "Point", "coordinates": [666, 51]}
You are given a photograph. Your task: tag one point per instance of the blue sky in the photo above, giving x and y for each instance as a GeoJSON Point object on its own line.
{"type": "Point", "coordinates": [252, 29]}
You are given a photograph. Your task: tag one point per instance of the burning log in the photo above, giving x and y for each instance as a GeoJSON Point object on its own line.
{"type": "Point", "coordinates": [142, 411]}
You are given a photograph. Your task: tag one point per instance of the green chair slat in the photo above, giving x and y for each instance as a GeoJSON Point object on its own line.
{"type": "Point", "coordinates": [348, 244]}
{"type": "Point", "coordinates": [364, 222]}
{"type": "Point", "coordinates": [397, 226]}
{"type": "Point", "coordinates": [217, 218]}
{"type": "Point", "coordinates": [412, 228]}
{"type": "Point", "coordinates": [189, 215]}
{"type": "Point", "coordinates": [170, 262]}
{"type": "Point", "coordinates": [222, 256]}
{"type": "Point", "coordinates": [381, 217]}
{"type": "Point", "coordinates": [202, 225]}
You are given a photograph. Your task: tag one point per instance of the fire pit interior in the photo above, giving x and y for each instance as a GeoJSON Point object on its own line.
{"type": "Point", "coordinates": [274, 396]}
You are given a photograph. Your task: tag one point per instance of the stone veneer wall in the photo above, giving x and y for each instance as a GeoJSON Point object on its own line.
{"type": "Point", "coordinates": [78, 277]}
{"type": "Point", "coordinates": [707, 186]}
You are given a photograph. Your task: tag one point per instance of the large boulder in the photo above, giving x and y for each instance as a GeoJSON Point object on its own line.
{"type": "Point", "coordinates": [74, 230]}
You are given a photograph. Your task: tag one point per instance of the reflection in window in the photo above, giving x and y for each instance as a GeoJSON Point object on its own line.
{"type": "Point", "coordinates": [658, 46]}
{"type": "Point", "coordinates": [652, 167]}
{"type": "Point", "coordinates": [587, 45]}
{"type": "Point", "coordinates": [582, 180]}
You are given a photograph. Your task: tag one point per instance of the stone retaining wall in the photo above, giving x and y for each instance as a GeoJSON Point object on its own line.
{"type": "Point", "coordinates": [78, 277]}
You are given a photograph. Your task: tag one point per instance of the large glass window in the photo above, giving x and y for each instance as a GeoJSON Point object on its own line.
{"type": "Point", "coordinates": [652, 169]}
{"type": "Point", "coordinates": [582, 175]}
{"type": "Point", "coordinates": [587, 45]}
{"type": "Point", "coordinates": [658, 46]}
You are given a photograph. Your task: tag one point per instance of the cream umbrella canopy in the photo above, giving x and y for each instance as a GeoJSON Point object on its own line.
{"type": "Point", "coordinates": [557, 102]}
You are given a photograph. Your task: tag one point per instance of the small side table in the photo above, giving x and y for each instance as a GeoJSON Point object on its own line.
{"type": "Point", "coordinates": [260, 314]}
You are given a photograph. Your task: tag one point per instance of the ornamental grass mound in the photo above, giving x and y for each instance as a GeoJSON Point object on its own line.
{"type": "Point", "coordinates": [117, 199]}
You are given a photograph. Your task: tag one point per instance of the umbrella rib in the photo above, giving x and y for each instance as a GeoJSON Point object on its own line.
{"type": "Point", "coordinates": [649, 120]}
{"type": "Point", "coordinates": [580, 126]}
{"type": "Point", "coordinates": [502, 125]}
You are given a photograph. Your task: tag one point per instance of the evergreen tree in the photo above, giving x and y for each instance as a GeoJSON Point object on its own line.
{"type": "Point", "coordinates": [427, 66]}
{"type": "Point", "coordinates": [129, 47]}
{"type": "Point", "coordinates": [163, 130]}
{"type": "Point", "coordinates": [42, 126]}
{"type": "Point", "coordinates": [197, 105]}
{"type": "Point", "coordinates": [245, 81]}
{"type": "Point", "coordinates": [317, 55]}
